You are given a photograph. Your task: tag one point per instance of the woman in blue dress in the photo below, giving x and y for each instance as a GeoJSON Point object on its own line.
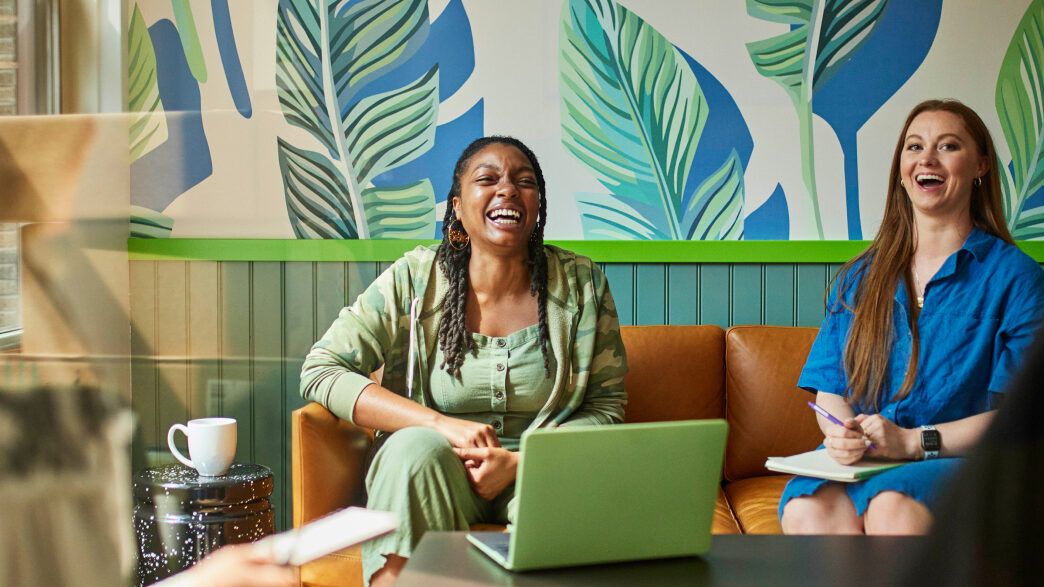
{"type": "Point", "coordinates": [922, 334]}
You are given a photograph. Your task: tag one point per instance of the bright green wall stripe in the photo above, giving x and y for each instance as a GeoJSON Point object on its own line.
{"type": "Point", "coordinates": [602, 251]}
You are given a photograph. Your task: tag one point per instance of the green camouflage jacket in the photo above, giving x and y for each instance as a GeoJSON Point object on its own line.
{"type": "Point", "coordinates": [375, 331]}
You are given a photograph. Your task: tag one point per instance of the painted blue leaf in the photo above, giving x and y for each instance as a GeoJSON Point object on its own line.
{"type": "Point", "coordinates": [771, 221]}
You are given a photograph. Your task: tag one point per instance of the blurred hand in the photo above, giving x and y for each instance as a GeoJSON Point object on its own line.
{"type": "Point", "coordinates": [240, 565]}
{"type": "Point", "coordinates": [846, 444]}
{"type": "Point", "coordinates": [490, 470]}
{"type": "Point", "coordinates": [890, 441]}
{"type": "Point", "coordinates": [465, 433]}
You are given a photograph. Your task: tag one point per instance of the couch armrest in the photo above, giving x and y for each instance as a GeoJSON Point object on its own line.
{"type": "Point", "coordinates": [327, 459]}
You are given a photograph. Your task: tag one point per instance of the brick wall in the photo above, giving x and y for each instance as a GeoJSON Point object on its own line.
{"type": "Point", "coordinates": [8, 106]}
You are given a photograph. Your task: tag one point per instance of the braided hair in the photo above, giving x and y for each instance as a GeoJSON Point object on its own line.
{"type": "Point", "coordinates": [454, 339]}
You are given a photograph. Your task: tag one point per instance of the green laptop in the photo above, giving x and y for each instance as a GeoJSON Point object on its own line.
{"type": "Point", "coordinates": [603, 494]}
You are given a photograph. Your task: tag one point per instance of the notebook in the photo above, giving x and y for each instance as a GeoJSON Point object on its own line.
{"type": "Point", "coordinates": [602, 494]}
{"type": "Point", "coordinates": [817, 463]}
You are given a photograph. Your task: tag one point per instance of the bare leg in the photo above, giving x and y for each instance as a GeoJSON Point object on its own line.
{"type": "Point", "coordinates": [891, 512]}
{"type": "Point", "coordinates": [389, 572]}
{"type": "Point", "coordinates": [827, 511]}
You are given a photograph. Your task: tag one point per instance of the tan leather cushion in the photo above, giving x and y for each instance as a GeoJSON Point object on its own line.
{"type": "Point", "coordinates": [326, 462]}
{"type": "Point", "coordinates": [676, 372]}
{"type": "Point", "coordinates": [340, 569]}
{"type": "Point", "coordinates": [755, 502]}
{"type": "Point", "coordinates": [767, 413]}
{"type": "Point", "coordinates": [724, 522]}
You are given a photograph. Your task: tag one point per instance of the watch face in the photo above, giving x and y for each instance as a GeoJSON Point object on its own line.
{"type": "Point", "coordinates": [930, 440]}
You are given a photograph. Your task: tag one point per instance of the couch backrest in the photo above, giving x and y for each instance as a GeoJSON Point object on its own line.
{"type": "Point", "coordinates": [676, 372]}
{"type": "Point", "coordinates": [766, 411]}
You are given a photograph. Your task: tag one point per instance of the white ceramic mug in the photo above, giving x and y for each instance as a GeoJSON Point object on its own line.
{"type": "Point", "coordinates": [211, 444]}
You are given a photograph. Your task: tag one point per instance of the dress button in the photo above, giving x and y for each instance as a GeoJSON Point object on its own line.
{"type": "Point", "coordinates": [499, 395]}
{"type": "Point", "coordinates": [497, 424]}
{"type": "Point", "coordinates": [500, 366]}
{"type": "Point", "coordinates": [501, 342]}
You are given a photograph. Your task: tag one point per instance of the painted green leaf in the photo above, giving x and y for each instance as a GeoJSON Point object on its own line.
{"type": "Point", "coordinates": [190, 39]}
{"type": "Point", "coordinates": [715, 209]}
{"type": "Point", "coordinates": [146, 223]}
{"type": "Point", "coordinates": [604, 218]}
{"type": "Point", "coordinates": [315, 195]}
{"type": "Point", "coordinates": [824, 34]}
{"type": "Point", "coordinates": [1020, 107]}
{"type": "Point", "coordinates": [632, 110]}
{"type": "Point", "coordinates": [393, 128]}
{"type": "Point", "coordinates": [784, 11]}
{"type": "Point", "coordinates": [372, 36]}
{"type": "Point", "coordinates": [1030, 224]}
{"type": "Point", "coordinates": [326, 52]}
{"type": "Point", "coordinates": [148, 125]}
{"type": "Point", "coordinates": [404, 212]}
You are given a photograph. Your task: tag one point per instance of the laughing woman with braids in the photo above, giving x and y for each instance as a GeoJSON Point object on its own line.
{"type": "Point", "coordinates": [489, 335]}
{"type": "Point", "coordinates": [923, 332]}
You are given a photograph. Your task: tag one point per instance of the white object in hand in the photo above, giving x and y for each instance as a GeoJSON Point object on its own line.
{"type": "Point", "coordinates": [211, 444]}
{"type": "Point", "coordinates": [336, 531]}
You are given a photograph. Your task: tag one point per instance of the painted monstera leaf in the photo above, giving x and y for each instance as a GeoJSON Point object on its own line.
{"type": "Point", "coordinates": [1020, 107]}
{"type": "Point", "coordinates": [824, 34]}
{"type": "Point", "coordinates": [148, 126]}
{"type": "Point", "coordinates": [633, 113]}
{"type": "Point", "coordinates": [327, 52]}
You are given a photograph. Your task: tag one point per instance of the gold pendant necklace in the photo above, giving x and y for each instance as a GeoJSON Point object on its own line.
{"type": "Point", "coordinates": [917, 289]}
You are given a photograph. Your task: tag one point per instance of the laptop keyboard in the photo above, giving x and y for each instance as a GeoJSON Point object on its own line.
{"type": "Point", "coordinates": [500, 542]}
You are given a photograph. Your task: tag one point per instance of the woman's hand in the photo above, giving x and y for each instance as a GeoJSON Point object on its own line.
{"type": "Point", "coordinates": [846, 444]}
{"type": "Point", "coordinates": [490, 470]}
{"type": "Point", "coordinates": [890, 441]}
{"type": "Point", "coordinates": [465, 433]}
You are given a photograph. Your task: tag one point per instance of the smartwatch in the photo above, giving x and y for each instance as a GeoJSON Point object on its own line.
{"type": "Point", "coordinates": [931, 442]}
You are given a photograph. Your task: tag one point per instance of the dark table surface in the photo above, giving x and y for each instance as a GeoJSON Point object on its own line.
{"type": "Point", "coordinates": [446, 558]}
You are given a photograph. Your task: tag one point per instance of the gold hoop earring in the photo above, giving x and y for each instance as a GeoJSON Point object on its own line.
{"type": "Point", "coordinates": [902, 182]}
{"type": "Point", "coordinates": [977, 181]}
{"type": "Point", "coordinates": [458, 239]}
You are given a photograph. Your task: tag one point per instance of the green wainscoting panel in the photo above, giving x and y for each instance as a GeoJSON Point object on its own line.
{"type": "Point", "coordinates": [143, 349]}
{"type": "Point", "coordinates": [229, 337]}
{"type": "Point", "coordinates": [650, 294]}
{"type": "Point", "coordinates": [622, 286]}
{"type": "Point", "coordinates": [234, 387]}
{"type": "Point", "coordinates": [683, 286]}
{"type": "Point", "coordinates": [172, 341]}
{"type": "Point", "coordinates": [748, 303]}
{"type": "Point", "coordinates": [714, 294]}
{"type": "Point", "coordinates": [270, 425]}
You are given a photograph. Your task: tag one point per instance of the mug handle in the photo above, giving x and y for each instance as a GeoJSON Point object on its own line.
{"type": "Point", "coordinates": [173, 449]}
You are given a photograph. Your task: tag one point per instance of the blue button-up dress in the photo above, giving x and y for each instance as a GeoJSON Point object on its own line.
{"type": "Point", "coordinates": [981, 311]}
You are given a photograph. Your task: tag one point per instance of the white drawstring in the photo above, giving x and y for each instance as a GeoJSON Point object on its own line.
{"type": "Point", "coordinates": [413, 347]}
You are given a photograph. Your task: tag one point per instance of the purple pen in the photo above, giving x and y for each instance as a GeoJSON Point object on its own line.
{"type": "Point", "coordinates": [822, 412]}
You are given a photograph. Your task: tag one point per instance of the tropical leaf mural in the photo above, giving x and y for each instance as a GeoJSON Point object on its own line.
{"type": "Point", "coordinates": [633, 113]}
{"type": "Point", "coordinates": [327, 52]}
{"type": "Point", "coordinates": [1020, 107]}
{"type": "Point", "coordinates": [823, 35]}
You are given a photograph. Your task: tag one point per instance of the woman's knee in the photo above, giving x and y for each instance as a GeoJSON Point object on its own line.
{"type": "Point", "coordinates": [828, 511]}
{"type": "Point", "coordinates": [417, 447]}
{"type": "Point", "coordinates": [891, 512]}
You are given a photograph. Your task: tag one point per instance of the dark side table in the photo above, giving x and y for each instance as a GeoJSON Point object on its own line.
{"type": "Point", "coordinates": [181, 517]}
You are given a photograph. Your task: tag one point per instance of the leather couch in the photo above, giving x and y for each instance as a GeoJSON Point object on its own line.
{"type": "Point", "coordinates": [746, 375]}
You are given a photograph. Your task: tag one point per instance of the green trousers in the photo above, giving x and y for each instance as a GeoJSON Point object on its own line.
{"type": "Point", "coordinates": [417, 475]}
